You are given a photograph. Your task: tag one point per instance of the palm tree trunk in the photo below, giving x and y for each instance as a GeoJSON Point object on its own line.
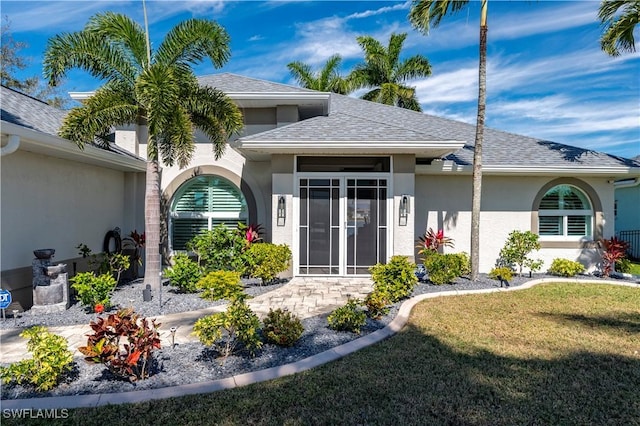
{"type": "Point", "coordinates": [477, 152]}
{"type": "Point", "coordinates": [153, 265]}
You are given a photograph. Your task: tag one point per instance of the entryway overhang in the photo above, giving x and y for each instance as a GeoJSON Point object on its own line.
{"type": "Point", "coordinates": [261, 150]}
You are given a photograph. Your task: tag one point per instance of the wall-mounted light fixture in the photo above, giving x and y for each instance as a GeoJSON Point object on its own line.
{"type": "Point", "coordinates": [404, 209]}
{"type": "Point", "coordinates": [281, 213]}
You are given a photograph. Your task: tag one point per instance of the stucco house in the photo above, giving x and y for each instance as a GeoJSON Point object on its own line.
{"type": "Point", "coordinates": [627, 211]}
{"type": "Point", "coordinates": [347, 183]}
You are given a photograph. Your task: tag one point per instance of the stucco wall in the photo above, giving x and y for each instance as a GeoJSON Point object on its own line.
{"type": "Point", "coordinates": [54, 203]}
{"type": "Point", "coordinates": [628, 217]}
{"type": "Point", "coordinates": [444, 202]}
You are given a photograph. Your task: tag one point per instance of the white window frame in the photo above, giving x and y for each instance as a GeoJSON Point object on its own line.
{"type": "Point", "coordinates": [564, 214]}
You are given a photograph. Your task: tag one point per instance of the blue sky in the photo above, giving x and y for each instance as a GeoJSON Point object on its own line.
{"type": "Point", "coordinates": [547, 77]}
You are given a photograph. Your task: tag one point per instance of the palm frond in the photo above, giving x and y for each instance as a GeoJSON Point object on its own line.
{"type": "Point", "coordinates": [89, 52]}
{"type": "Point", "coordinates": [193, 40]}
{"type": "Point", "coordinates": [303, 74]}
{"type": "Point", "coordinates": [122, 33]}
{"type": "Point", "coordinates": [619, 19]}
{"type": "Point", "coordinates": [425, 14]}
{"type": "Point", "coordinates": [413, 67]}
{"type": "Point", "coordinates": [177, 143]}
{"type": "Point", "coordinates": [110, 106]}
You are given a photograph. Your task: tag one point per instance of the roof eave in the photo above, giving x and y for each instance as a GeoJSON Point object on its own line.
{"type": "Point", "coordinates": [450, 167]}
{"type": "Point", "coordinates": [54, 146]}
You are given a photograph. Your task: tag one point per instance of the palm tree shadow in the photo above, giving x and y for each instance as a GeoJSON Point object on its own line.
{"type": "Point", "coordinates": [624, 321]}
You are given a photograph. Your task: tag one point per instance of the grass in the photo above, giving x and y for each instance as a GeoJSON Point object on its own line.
{"type": "Point", "coordinates": [555, 354]}
{"type": "Point", "coordinates": [635, 268]}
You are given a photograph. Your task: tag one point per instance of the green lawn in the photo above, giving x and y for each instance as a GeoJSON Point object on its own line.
{"type": "Point", "coordinates": [555, 354]}
{"type": "Point", "coordinates": [635, 268]}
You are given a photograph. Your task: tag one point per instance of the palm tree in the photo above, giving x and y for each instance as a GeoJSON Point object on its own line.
{"type": "Point", "coordinates": [619, 18]}
{"type": "Point", "coordinates": [327, 79]}
{"type": "Point", "coordinates": [154, 90]}
{"type": "Point", "coordinates": [426, 13]}
{"type": "Point", "coordinates": [383, 71]}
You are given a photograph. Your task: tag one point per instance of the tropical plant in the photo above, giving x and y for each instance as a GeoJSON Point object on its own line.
{"type": "Point", "coordinates": [431, 241]}
{"type": "Point", "coordinates": [614, 251]}
{"type": "Point", "coordinates": [51, 360]}
{"type": "Point", "coordinates": [156, 90]}
{"type": "Point", "coordinates": [394, 280]}
{"type": "Point", "coordinates": [376, 303]}
{"type": "Point", "coordinates": [184, 274]}
{"type": "Point", "coordinates": [220, 249]}
{"type": "Point", "coordinates": [94, 290]}
{"type": "Point", "coordinates": [267, 260]}
{"type": "Point", "coordinates": [386, 75]}
{"type": "Point", "coordinates": [423, 15]}
{"type": "Point", "coordinates": [219, 285]}
{"type": "Point", "coordinates": [501, 273]}
{"type": "Point", "coordinates": [327, 79]}
{"type": "Point", "coordinates": [282, 328]}
{"type": "Point", "coordinates": [619, 19]}
{"type": "Point", "coordinates": [565, 267]}
{"type": "Point", "coordinates": [517, 248]}
{"type": "Point", "coordinates": [349, 317]}
{"type": "Point", "coordinates": [444, 268]}
{"type": "Point", "coordinates": [130, 360]}
{"type": "Point", "coordinates": [228, 331]}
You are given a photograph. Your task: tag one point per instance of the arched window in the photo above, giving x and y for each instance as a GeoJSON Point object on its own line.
{"type": "Point", "coordinates": [565, 211]}
{"type": "Point", "coordinates": [201, 204]}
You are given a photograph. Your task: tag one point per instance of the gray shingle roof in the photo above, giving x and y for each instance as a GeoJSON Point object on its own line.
{"type": "Point", "coordinates": [352, 119]}
{"type": "Point", "coordinates": [233, 83]}
{"type": "Point", "coordinates": [23, 110]}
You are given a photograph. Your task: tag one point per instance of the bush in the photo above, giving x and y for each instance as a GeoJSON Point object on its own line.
{"type": "Point", "coordinates": [348, 317]}
{"type": "Point", "coordinates": [623, 266]}
{"type": "Point", "coordinates": [376, 303]}
{"type": "Point", "coordinates": [51, 360]}
{"type": "Point", "coordinates": [282, 327]}
{"type": "Point", "coordinates": [517, 248]}
{"type": "Point", "coordinates": [219, 285]}
{"type": "Point", "coordinates": [220, 249]}
{"type": "Point", "coordinates": [94, 290]}
{"type": "Point", "coordinates": [184, 274]}
{"type": "Point", "coordinates": [129, 360]}
{"type": "Point", "coordinates": [444, 268]}
{"type": "Point", "coordinates": [266, 260]}
{"type": "Point", "coordinates": [238, 322]}
{"type": "Point", "coordinates": [502, 272]}
{"type": "Point", "coordinates": [565, 268]}
{"type": "Point", "coordinates": [396, 279]}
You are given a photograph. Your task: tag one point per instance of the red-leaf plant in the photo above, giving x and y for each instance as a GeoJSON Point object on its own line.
{"type": "Point", "coordinates": [129, 360]}
{"type": "Point", "coordinates": [614, 250]}
{"type": "Point", "coordinates": [431, 241]}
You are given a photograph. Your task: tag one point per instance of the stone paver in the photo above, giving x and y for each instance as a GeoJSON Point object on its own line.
{"type": "Point", "coordinates": [304, 296]}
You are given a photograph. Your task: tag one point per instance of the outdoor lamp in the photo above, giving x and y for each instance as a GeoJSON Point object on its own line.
{"type": "Point", "coordinates": [282, 210]}
{"type": "Point", "coordinates": [404, 209]}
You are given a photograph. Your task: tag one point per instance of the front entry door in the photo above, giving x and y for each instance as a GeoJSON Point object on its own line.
{"type": "Point", "coordinates": [343, 225]}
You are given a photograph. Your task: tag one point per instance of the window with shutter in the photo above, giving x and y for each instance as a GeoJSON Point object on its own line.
{"type": "Point", "coordinates": [565, 211]}
{"type": "Point", "coordinates": [201, 204]}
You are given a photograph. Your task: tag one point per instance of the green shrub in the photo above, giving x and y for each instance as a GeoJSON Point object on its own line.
{"type": "Point", "coordinates": [220, 249]}
{"type": "Point", "coordinates": [282, 327]}
{"type": "Point", "coordinates": [396, 279]}
{"type": "Point", "coordinates": [444, 268]}
{"type": "Point", "coordinates": [94, 290]}
{"type": "Point", "coordinates": [219, 285]}
{"type": "Point", "coordinates": [184, 274]}
{"type": "Point", "coordinates": [623, 265]}
{"type": "Point", "coordinates": [266, 260]}
{"type": "Point", "coordinates": [227, 331]}
{"type": "Point", "coordinates": [130, 360]}
{"type": "Point", "coordinates": [349, 317]}
{"type": "Point", "coordinates": [376, 303]}
{"type": "Point", "coordinates": [517, 248]}
{"type": "Point", "coordinates": [51, 360]}
{"type": "Point", "coordinates": [565, 268]}
{"type": "Point", "coordinates": [501, 272]}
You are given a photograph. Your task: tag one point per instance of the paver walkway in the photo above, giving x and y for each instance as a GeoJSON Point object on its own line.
{"type": "Point", "coordinates": [304, 296]}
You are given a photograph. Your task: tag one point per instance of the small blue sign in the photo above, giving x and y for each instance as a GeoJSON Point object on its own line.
{"type": "Point", "coordinates": [5, 298]}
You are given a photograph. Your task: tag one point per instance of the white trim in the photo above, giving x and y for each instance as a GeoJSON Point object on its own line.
{"type": "Point", "coordinates": [449, 167]}
{"type": "Point", "coordinates": [54, 146]}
